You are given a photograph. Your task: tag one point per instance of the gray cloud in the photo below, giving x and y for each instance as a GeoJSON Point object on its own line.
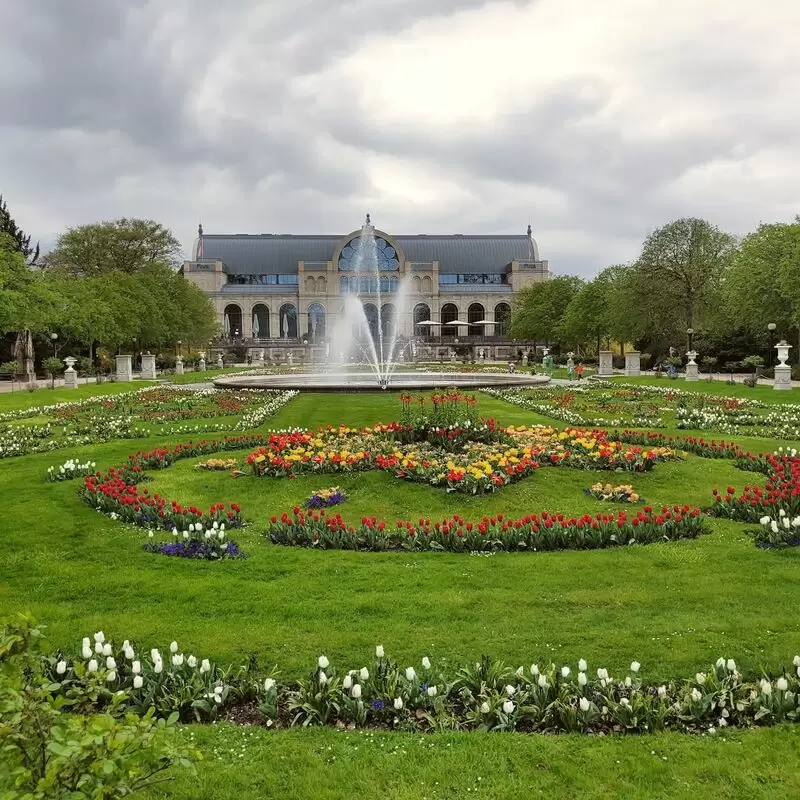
{"type": "Point", "coordinates": [240, 114]}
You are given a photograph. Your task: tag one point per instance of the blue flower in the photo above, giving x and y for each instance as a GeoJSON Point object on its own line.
{"type": "Point", "coordinates": [377, 704]}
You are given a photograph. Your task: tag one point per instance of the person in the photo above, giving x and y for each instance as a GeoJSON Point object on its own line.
{"type": "Point", "coordinates": [531, 356]}
{"type": "Point", "coordinates": [579, 370]}
{"type": "Point", "coordinates": [569, 369]}
{"type": "Point", "coordinates": [519, 356]}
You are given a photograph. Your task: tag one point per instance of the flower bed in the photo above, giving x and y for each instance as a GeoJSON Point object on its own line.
{"type": "Point", "coordinates": [69, 470]}
{"type": "Point", "coordinates": [613, 494]}
{"type": "Point", "coordinates": [217, 464]}
{"type": "Point", "coordinates": [533, 532]}
{"type": "Point", "coordinates": [325, 498]}
{"type": "Point", "coordinates": [484, 696]}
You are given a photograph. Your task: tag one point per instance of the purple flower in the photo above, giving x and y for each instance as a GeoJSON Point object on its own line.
{"type": "Point", "coordinates": [208, 550]}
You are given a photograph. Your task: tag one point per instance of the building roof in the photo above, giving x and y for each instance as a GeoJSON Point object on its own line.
{"type": "Point", "coordinates": [246, 254]}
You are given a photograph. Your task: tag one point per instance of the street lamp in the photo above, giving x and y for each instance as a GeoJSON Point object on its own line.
{"type": "Point", "coordinates": [179, 346]}
{"type": "Point", "coordinates": [689, 334]}
{"type": "Point", "coordinates": [53, 339]}
{"type": "Point", "coordinates": [771, 328]}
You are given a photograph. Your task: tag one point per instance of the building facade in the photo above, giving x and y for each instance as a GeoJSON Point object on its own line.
{"type": "Point", "coordinates": [283, 288]}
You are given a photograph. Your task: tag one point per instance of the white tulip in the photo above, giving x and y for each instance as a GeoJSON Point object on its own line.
{"type": "Point", "coordinates": [215, 526]}
{"type": "Point", "coordinates": [158, 667]}
{"type": "Point", "coordinates": [192, 661]}
{"type": "Point", "coordinates": [582, 679]}
{"type": "Point", "coordinates": [565, 672]}
{"type": "Point", "coordinates": [111, 663]}
{"type": "Point", "coordinates": [766, 686]}
{"type": "Point", "coordinates": [432, 691]}
{"type": "Point", "coordinates": [625, 702]}
{"type": "Point", "coordinates": [92, 665]}
{"type": "Point", "coordinates": [628, 681]}
{"type": "Point", "coordinates": [720, 662]}
{"type": "Point", "coordinates": [100, 637]}
{"type": "Point", "coordinates": [323, 678]}
{"type": "Point", "coordinates": [722, 722]}
{"type": "Point", "coordinates": [61, 667]}
{"type": "Point", "coordinates": [107, 649]}
{"type": "Point", "coordinates": [86, 643]}
{"type": "Point", "coordinates": [98, 648]}
{"type": "Point", "coordinates": [426, 662]}
{"type": "Point", "coordinates": [323, 662]}
{"type": "Point", "coordinates": [781, 684]}
{"type": "Point", "coordinates": [155, 655]}
{"type": "Point", "coordinates": [534, 670]}
{"type": "Point", "coordinates": [700, 677]}
{"type": "Point", "coordinates": [730, 665]}
{"type": "Point", "coordinates": [268, 684]}
{"type": "Point", "coordinates": [111, 677]}
{"type": "Point", "coordinates": [410, 673]}
{"type": "Point", "coordinates": [177, 660]}
{"type": "Point", "coordinates": [765, 520]}
{"type": "Point", "coordinates": [205, 665]}
{"type": "Point", "coordinates": [796, 661]}
{"type": "Point", "coordinates": [191, 527]}
{"type": "Point", "coordinates": [355, 692]}
{"type": "Point", "coordinates": [128, 653]}
{"type": "Point", "coordinates": [542, 681]}
{"type": "Point", "coordinates": [86, 652]}
{"type": "Point", "coordinates": [136, 667]}
{"type": "Point", "coordinates": [138, 681]}
{"type": "Point", "coordinates": [185, 535]}
{"type": "Point", "coordinates": [635, 666]}
{"type": "Point", "coordinates": [398, 703]}
{"type": "Point", "coordinates": [510, 690]}
{"type": "Point", "coordinates": [364, 674]}
{"type": "Point", "coordinates": [379, 651]}
{"type": "Point", "coordinates": [173, 648]}
{"type": "Point", "coordinates": [696, 696]}
{"type": "Point", "coordinates": [347, 682]}
{"type": "Point", "coordinates": [485, 708]}
{"type": "Point", "coordinates": [582, 665]}
{"type": "Point", "coordinates": [584, 704]}
{"type": "Point", "coordinates": [662, 692]}
{"type": "Point", "coordinates": [602, 674]}
{"type": "Point", "coordinates": [508, 706]}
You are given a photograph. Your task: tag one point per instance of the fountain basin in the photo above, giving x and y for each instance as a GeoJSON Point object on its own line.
{"type": "Point", "coordinates": [367, 382]}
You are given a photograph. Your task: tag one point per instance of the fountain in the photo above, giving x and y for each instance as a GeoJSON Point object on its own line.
{"type": "Point", "coordinates": [375, 340]}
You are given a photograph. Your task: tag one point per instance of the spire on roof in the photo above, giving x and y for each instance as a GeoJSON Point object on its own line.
{"type": "Point", "coordinates": [530, 230]}
{"type": "Point", "coordinates": [200, 229]}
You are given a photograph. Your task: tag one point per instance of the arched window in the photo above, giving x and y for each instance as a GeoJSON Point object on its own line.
{"type": "Point", "coordinates": [316, 322]}
{"type": "Point", "coordinates": [260, 322]}
{"type": "Point", "coordinates": [288, 321]}
{"type": "Point", "coordinates": [427, 285]}
{"type": "Point", "coordinates": [232, 321]}
{"type": "Point", "coordinates": [321, 284]}
{"type": "Point", "coordinates": [450, 313]}
{"type": "Point", "coordinates": [368, 253]}
{"type": "Point", "coordinates": [476, 313]}
{"type": "Point", "coordinates": [416, 284]}
{"type": "Point", "coordinates": [502, 319]}
{"type": "Point", "coordinates": [371, 313]}
{"type": "Point", "coordinates": [311, 284]}
{"type": "Point", "coordinates": [422, 313]}
{"type": "Point", "coordinates": [388, 321]}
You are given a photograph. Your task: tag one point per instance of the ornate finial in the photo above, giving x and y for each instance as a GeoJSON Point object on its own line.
{"type": "Point", "coordinates": [368, 222]}
{"type": "Point", "coordinates": [200, 229]}
{"type": "Point", "coordinates": [530, 230]}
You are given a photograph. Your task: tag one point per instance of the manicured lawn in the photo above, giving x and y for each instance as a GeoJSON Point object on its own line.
{"type": "Point", "coordinates": [675, 607]}
{"type": "Point", "coordinates": [21, 399]}
{"type": "Point", "coordinates": [719, 386]}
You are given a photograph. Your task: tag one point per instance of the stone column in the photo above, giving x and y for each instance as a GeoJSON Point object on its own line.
{"type": "Point", "coordinates": [783, 372]}
{"type": "Point", "coordinates": [633, 364]}
{"type": "Point", "coordinates": [70, 376]}
{"type": "Point", "coordinates": [179, 365]}
{"type": "Point", "coordinates": [692, 369]}
{"type": "Point", "coordinates": [605, 367]}
{"type": "Point", "coordinates": [148, 367]}
{"type": "Point", "coordinates": [124, 368]}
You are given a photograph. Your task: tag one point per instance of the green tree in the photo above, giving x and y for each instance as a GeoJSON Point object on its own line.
{"type": "Point", "coordinates": [124, 245]}
{"type": "Point", "coordinates": [25, 301]}
{"type": "Point", "coordinates": [587, 319]}
{"type": "Point", "coordinates": [539, 308]}
{"type": "Point", "coordinates": [22, 243]}
{"type": "Point", "coordinates": [686, 261]}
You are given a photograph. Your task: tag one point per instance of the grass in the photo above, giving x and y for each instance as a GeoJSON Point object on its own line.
{"type": "Point", "coordinates": [674, 607]}
{"type": "Point", "coordinates": [19, 400]}
{"type": "Point", "coordinates": [719, 386]}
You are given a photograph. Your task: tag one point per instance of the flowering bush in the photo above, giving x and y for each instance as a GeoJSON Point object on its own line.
{"type": "Point", "coordinates": [325, 498]}
{"type": "Point", "coordinates": [487, 696]}
{"type": "Point", "coordinates": [532, 532]}
{"type": "Point", "coordinates": [615, 494]}
{"type": "Point", "coordinates": [69, 470]}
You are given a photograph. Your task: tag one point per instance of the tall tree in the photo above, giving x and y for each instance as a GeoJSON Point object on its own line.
{"type": "Point", "coordinates": [125, 245]}
{"type": "Point", "coordinates": [687, 259]}
{"type": "Point", "coordinates": [25, 300]}
{"type": "Point", "coordinates": [539, 308]}
{"type": "Point", "coordinates": [586, 319]}
{"type": "Point", "coordinates": [22, 242]}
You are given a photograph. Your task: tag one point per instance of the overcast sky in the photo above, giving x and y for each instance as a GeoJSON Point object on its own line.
{"type": "Point", "coordinates": [595, 121]}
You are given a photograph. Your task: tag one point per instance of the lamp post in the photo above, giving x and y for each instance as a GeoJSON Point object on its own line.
{"type": "Point", "coordinates": [771, 328]}
{"type": "Point", "coordinates": [179, 346]}
{"type": "Point", "coordinates": [54, 339]}
{"type": "Point", "coordinates": [689, 335]}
